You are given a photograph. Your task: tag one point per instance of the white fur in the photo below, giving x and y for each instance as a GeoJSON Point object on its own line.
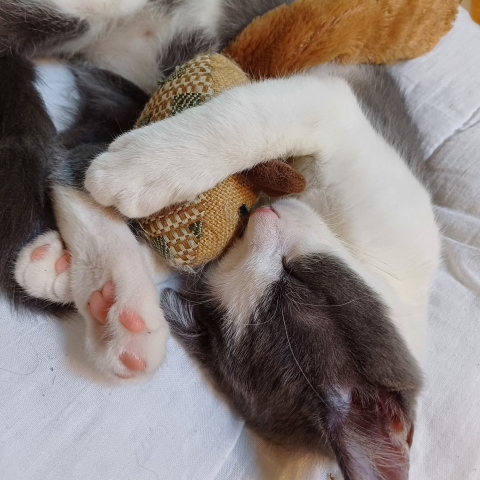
{"type": "Point", "coordinates": [359, 185]}
{"type": "Point", "coordinates": [95, 9]}
{"type": "Point", "coordinates": [38, 277]}
{"type": "Point", "coordinates": [103, 248]}
{"type": "Point", "coordinates": [128, 36]}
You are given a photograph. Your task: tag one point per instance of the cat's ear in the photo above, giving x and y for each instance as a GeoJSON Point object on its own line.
{"type": "Point", "coordinates": [369, 434]}
{"type": "Point", "coordinates": [179, 314]}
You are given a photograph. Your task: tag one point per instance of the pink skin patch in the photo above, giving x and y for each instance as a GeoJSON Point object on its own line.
{"type": "Point", "coordinates": [39, 253]}
{"type": "Point", "coordinates": [101, 301]}
{"type": "Point", "coordinates": [397, 425]}
{"type": "Point", "coordinates": [132, 362]}
{"type": "Point", "coordinates": [131, 321]}
{"type": "Point", "coordinates": [63, 263]}
{"type": "Point", "coordinates": [98, 307]}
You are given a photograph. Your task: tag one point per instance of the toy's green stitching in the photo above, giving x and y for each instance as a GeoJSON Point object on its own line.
{"type": "Point", "coordinates": [176, 74]}
{"type": "Point", "coordinates": [161, 244]}
{"type": "Point", "coordinates": [196, 228]}
{"type": "Point", "coordinates": [183, 101]}
{"type": "Point", "coordinates": [145, 121]}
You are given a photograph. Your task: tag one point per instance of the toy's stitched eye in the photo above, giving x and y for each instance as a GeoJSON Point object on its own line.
{"type": "Point", "coordinates": [243, 210]}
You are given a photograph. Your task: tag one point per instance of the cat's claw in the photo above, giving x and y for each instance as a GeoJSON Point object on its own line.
{"type": "Point", "coordinates": [42, 269]}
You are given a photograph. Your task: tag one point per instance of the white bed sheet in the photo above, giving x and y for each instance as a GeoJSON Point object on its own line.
{"type": "Point", "coordinates": [59, 420]}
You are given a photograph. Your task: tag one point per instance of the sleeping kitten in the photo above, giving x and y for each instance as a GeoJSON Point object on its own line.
{"type": "Point", "coordinates": [312, 324]}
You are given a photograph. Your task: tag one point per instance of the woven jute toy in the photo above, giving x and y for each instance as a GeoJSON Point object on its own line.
{"type": "Point", "coordinates": [285, 40]}
{"type": "Point", "coordinates": [192, 233]}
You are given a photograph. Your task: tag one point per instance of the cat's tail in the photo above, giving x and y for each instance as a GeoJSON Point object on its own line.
{"type": "Point", "coordinates": [28, 152]}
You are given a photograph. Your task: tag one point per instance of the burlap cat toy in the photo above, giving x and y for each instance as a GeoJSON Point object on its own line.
{"type": "Point", "coordinates": [285, 40]}
{"type": "Point", "coordinates": [192, 233]}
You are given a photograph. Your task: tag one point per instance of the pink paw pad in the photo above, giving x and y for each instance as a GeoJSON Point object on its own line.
{"type": "Point", "coordinates": [99, 306]}
{"type": "Point", "coordinates": [132, 362]}
{"type": "Point", "coordinates": [131, 321]}
{"type": "Point", "coordinates": [62, 263]}
{"type": "Point", "coordinates": [39, 253]}
{"type": "Point", "coordinates": [101, 301]}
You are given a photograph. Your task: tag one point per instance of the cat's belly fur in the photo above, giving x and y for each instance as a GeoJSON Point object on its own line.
{"type": "Point", "coordinates": [133, 46]}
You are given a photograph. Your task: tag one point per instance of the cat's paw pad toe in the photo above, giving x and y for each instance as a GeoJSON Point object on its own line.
{"type": "Point", "coordinates": [122, 342]}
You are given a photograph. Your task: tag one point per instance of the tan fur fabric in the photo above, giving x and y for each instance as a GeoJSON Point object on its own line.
{"type": "Point", "coordinates": [294, 37]}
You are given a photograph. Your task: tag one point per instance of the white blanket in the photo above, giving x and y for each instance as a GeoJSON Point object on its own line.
{"type": "Point", "coordinates": [59, 420]}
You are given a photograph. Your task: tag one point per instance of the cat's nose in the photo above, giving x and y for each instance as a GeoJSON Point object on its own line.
{"type": "Point", "coordinates": [267, 210]}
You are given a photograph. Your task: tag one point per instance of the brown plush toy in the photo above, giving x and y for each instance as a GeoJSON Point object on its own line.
{"type": "Point", "coordinates": [285, 40]}
{"type": "Point", "coordinates": [305, 33]}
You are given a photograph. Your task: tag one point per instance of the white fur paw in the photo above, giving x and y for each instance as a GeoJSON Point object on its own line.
{"type": "Point", "coordinates": [142, 172]}
{"type": "Point", "coordinates": [42, 269]}
{"type": "Point", "coordinates": [120, 177]}
{"type": "Point", "coordinates": [126, 330]}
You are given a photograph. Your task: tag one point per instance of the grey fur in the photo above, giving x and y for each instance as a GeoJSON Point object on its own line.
{"type": "Point", "coordinates": [320, 362]}
{"type": "Point", "coordinates": [183, 48]}
{"type": "Point", "coordinates": [28, 153]}
{"type": "Point", "coordinates": [384, 105]}
{"type": "Point", "coordinates": [237, 14]}
{"type": "Point", "coordinates": [31, 30]}
{"type": "Point", "coordinates": [107, 109]}
{"type": "Point", "coordinates": [108, 106]}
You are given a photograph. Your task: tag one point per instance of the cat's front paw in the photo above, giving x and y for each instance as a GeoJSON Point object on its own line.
{"type": "Point", "coordinates": [139, 175]}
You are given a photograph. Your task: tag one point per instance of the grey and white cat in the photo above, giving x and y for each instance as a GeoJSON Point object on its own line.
{"type": "Point", "coordinates": [313, 322]}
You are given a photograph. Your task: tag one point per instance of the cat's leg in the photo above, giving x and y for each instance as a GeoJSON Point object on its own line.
{"type": "Point", "coordinates": [111, 287]}
{"type": "Point", "coordinates": [109, 282]}
{"type": "Point", "coordinates": [181, 157]}
{"type": "Point", "coordinates": [28, 152]}
{"type": "Point", "coordinates": [36, 28]}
